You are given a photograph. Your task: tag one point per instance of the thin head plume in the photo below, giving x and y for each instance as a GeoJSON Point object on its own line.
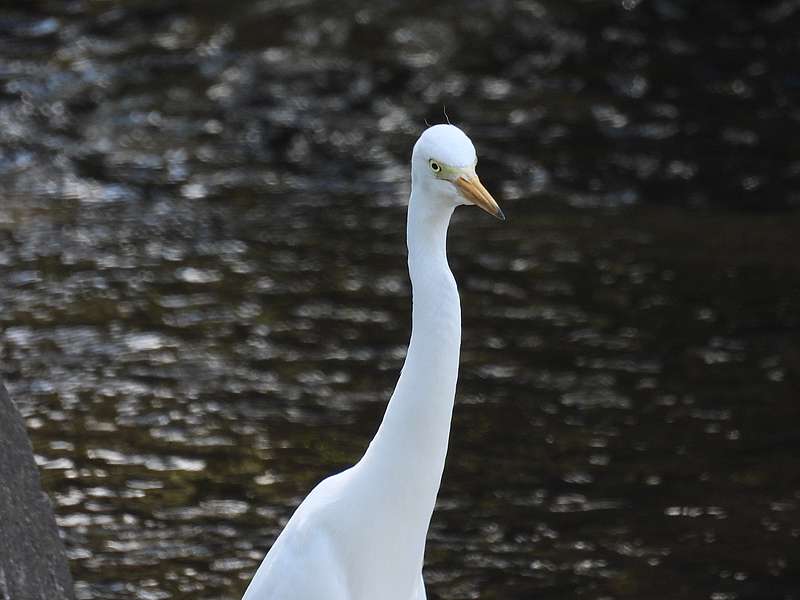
{"type": "Point", "coordinates": [426, 123]}
{"type": "Point", "coordinates": [444, 110]}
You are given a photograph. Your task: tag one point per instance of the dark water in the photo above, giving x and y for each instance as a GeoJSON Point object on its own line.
{"type": "Point", "coordinates": [204, 302]}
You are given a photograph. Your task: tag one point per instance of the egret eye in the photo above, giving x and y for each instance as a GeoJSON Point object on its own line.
{"type": "Point", "coordinates": [435, 167]}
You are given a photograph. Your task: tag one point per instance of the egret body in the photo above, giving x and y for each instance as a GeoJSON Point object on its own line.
{"type": "Point", "coordinates": [360, 534]}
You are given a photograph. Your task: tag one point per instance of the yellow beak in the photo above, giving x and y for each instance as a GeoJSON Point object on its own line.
{"type": "Point", "coordinates": [472, 189]}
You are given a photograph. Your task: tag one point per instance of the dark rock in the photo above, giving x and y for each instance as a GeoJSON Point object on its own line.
{"type": "Point", "coordinates": [33, 565]}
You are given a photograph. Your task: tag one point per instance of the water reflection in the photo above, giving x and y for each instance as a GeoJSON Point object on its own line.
{"type": "Point", "coordinates": [205, 301]}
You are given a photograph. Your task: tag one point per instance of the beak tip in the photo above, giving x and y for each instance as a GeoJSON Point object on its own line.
{"type": "Point", "coordinates": [500, 215]}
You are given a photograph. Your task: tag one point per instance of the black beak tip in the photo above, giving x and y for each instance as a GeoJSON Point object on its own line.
{"type": "Point", "coordinates": [500, 214]}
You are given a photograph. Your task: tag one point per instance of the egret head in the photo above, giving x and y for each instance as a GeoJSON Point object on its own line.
{"type": "Point", "coordinates": [443, 170]}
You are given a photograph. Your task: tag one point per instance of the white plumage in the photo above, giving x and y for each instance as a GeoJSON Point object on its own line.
{"type": "Point", "coordinates": [360, 535]}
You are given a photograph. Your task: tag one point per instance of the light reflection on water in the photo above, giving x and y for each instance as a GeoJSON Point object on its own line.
{"type": "Point", "coordinates": [205, 302]}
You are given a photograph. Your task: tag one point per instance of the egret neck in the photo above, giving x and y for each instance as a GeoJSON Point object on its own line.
{"type": "Point", "coordinates": [411, 444]}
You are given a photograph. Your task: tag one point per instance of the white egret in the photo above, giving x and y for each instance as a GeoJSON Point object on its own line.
{"type": "Point", "coordinates": [360, 534]}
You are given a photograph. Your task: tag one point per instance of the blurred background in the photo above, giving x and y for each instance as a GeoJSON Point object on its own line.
{"type": "Point", "coordinates": [204, 301]}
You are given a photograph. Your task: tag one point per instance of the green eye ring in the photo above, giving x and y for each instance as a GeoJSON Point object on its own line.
{"type": "Point", "coordinates": [435, 166]}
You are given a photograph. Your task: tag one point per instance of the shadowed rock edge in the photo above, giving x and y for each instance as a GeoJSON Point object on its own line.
{"type": "Point", "coordinates": [33, 563]}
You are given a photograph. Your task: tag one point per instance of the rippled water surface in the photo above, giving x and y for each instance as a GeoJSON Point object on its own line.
{"type": "Point", "coordinates": [204, 301]}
